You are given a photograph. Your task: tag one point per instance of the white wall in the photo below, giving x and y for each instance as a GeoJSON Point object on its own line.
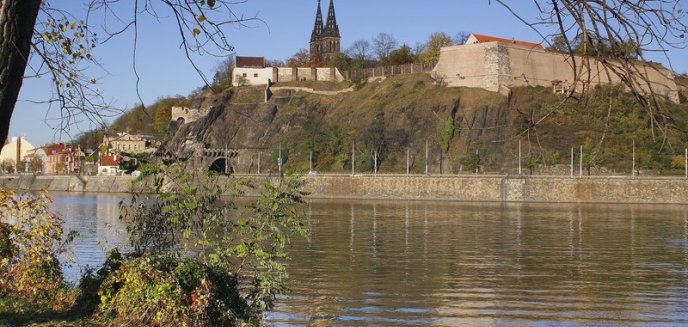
{"type": "Point", "coordinates": [9, 151]}
{"type": "Point", "coordinates": [254, 76]}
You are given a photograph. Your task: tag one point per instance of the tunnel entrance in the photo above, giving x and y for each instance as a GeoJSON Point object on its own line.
{"type": "Point", "coordinates": [219, 166]}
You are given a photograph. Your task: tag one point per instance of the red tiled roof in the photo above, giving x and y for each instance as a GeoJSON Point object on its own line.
{"type": "Point", "coordinates": [485, 38]}
{"type": "Point", "coordinates": [111, 160]}
{"type": "Point", "coordinates": [56, 147]}
{"type": "Point", "coordinates": [250, 62]}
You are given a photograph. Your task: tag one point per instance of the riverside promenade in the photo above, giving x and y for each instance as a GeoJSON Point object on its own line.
{"type": "Point", "coordinates": [486, 188]}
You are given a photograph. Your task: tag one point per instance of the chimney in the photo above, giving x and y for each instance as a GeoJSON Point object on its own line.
{"type": "Point", "coordinates": [18, 159]}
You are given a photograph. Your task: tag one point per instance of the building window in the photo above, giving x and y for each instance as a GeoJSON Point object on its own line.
{"type": "Point", "coordinates": [245, 75]}
{"type": "Point", "coordinates": [255, 75]}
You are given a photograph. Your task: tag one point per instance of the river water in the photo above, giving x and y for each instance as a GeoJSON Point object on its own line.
{"type": "Point", "coordinates": [456, 264]}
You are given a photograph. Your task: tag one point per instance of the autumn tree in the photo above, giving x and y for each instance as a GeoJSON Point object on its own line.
{"type": "Point", "coordinates": [436, 42]}
{"type": "Point", "coordinates": [302, 58]}
{"type": "Point", "coordinates": [360, 50]}
{"type": "Point", "coordinates": [223, 73]}
{"type": "Point", "coordinates": [401, 56]}
{"type": "Point", "coordinates": [36, 164]}
{"type": "Point", "coordinates": [58, 45]}
{"type": "Point", "coordinates": [461, 38]}
{"type": "Point", "coordinates": [383, 45]}
{"type": "Point", "coordinates": [341, 61]}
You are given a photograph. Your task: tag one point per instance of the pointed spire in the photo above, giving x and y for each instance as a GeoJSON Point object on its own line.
{"type": "Point", "coordinates": [318, 28]}
{"type": "Point", "coordinates": [331, 28]}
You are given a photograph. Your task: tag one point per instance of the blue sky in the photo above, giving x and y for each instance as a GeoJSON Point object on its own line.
{"type": "Point", "coordinates": [288, 23]}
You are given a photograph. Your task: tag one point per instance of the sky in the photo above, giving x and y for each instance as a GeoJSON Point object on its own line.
{"type": "Point", "coordinates": [285, 27]}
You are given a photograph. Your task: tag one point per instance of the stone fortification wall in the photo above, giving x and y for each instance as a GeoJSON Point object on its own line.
{"type": "Point", "coordinates": [260, 76]}
{"type": "Point", "coordinates": [306, 74]}
{"type": "Point", "coordinates": [456, 188]}
{"type": "Point", "coordinates": [285, 74]}
{"type": "Point", "coordinates": [187, 114]}
{"type": "Point", "coordinates": [497, 66]}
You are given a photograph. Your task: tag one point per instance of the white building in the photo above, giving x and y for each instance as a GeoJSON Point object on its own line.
{"type": "Point", "coordinates": [252, 71]}
{"type": "Point", "coordinates": [16, 151]}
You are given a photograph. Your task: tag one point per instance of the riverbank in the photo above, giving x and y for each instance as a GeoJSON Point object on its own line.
{"type": "Point", "coordinates": [548, 189]}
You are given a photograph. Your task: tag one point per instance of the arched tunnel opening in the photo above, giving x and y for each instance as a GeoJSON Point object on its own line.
{"type": "Point", "coordinates": [220, 165]}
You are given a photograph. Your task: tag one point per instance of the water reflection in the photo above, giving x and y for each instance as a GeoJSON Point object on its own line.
{"type": "Point", "coordinates": [489, 264]}
{"type": "Point", "coordinates": [446, 264]}
{"type": "Point", "coordinates": [96, 219]}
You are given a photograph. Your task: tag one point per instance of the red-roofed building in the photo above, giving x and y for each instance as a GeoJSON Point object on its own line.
{"type": "Point", "coordinates": [60, 158]}
{"type": "Point", "coordinates": [477, 38]}
{"type": "Point", "coordinates": [108, 165]}
{"type": "Point", "coordinates": [250, 62]}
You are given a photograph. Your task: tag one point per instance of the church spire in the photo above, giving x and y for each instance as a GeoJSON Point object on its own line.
{"type": "Point", "coordinates": [331, 28]}
{"type": "Point", "coordinates": [318, 28]}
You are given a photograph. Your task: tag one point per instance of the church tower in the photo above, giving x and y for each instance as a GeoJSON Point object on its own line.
{"type": "Point", "coordinates": [325, 39]}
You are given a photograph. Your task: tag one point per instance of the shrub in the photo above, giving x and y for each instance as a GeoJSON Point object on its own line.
{"type": "Point", "coordinates": [448, 133]}
{"type": "Point", "coordinates": [7, 249]}
{"type": "Point", "coordinates": [34, 242]}
{"type": "Point", "coordinates": [678, 162]}
{"type": "Point", "coordinates": [228, 248]}
{"type": "Point", "coordinates": [470, 162]}
{"type": "Point", "coordinates": [168, 291]}
{"type": "Point", "coordinates": [531, 163]}
{"type": "Point", "coordinates": [553, 159]}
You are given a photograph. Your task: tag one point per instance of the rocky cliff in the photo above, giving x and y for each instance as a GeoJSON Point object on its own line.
{"type": "Point", "coordinates": [398, 116]}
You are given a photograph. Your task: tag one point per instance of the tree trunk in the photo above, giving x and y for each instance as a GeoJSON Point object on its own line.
{"type": "Point", "coordinates": [17, 20]}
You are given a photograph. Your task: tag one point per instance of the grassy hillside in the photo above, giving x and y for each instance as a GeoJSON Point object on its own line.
{"type": "Point", "coordinates": [405, 112]}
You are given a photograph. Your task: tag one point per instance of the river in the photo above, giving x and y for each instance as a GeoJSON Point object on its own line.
{"type": "Point", "coordinates": [449, 264]}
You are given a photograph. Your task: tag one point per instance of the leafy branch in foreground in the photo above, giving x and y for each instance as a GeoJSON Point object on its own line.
{"type": "Point", "coordinates": [203, 258]}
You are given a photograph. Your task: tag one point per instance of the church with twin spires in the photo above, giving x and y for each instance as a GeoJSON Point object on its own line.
{"type": "Point", "coordinates": [325, 39]}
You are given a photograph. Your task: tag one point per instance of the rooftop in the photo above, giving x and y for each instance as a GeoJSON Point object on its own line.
{"type": "Point", "coordinates": [250, 62]}
{"type": "Point", "coordinates": [486, 38]}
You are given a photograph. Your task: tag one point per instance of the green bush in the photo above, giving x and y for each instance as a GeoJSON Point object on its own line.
{"type": "Point", "coordinates": [531, 163]}
{"type": "Point", "coordinates": [230, 247]}
{"type": "Point", "coordinates": [169, 291]}
{"type": "Point", "coordinates": [7, 249]}
{"type": "Point", "coordinates": [448, 134]}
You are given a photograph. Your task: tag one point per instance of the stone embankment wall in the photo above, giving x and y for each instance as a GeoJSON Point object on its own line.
{"type": "Point", "coordinates": [503, 188]}
{"type": "Point", "coordinates": [449, 188]}
{"type": "Point", "coordinates": [95, 184]}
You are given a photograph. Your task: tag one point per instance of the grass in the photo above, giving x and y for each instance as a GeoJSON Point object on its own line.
{"type": "Point", "coordinates": [317, 85]}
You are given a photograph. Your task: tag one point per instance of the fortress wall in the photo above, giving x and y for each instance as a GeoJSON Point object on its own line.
{"type": "Point", "coordinates": [538, 67]}
{"type": "Point", "coordinates": [325, 74]}
{"type": "Point", "coordinates": [285, 74]}
{"type": "Point", "coordinates": [463, 66]}
{"type": "Point", "coordinates": [494, 66]}
{"type": "Point", "coordinates": [189, 115]}
{"type": "Point", "coordinates": [306, 74]}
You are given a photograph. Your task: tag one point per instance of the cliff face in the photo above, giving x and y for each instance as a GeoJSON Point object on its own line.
{"type": "Point", "coordinates": [402, 114]}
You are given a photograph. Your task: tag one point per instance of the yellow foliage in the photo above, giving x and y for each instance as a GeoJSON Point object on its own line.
{"type": "Point", "coordinates": [32, 271]}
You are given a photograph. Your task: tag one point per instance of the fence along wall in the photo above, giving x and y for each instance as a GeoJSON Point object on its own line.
{"type": "Point", "coordinates": [497, 66]}
{"type": "Point", "coordinates": [376, 72]}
